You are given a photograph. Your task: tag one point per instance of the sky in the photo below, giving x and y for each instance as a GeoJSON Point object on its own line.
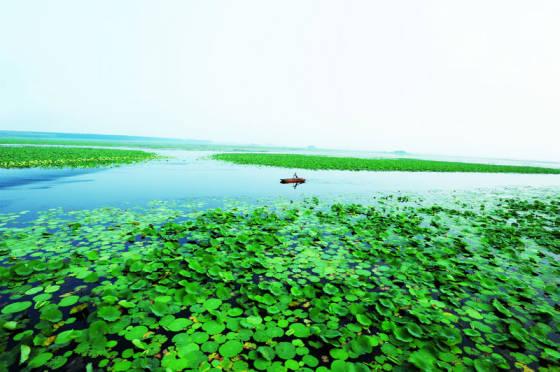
{"type": "Point", "coordinates": [474, 78]}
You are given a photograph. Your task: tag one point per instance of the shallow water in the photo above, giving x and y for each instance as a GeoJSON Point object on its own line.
{"type": "Point", "coordinates": [188, 175]}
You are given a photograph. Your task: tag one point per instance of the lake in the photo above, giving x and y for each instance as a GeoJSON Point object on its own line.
{"type": "Point", "coordinates": [192, 175]}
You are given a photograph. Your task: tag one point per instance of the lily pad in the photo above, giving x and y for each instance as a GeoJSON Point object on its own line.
{"type": "Point", "coordinates": [109, 313]}
{"type": "Point", "coordinates": [231, 348]}
{"type": "Point", "coordinates": [16, 307]}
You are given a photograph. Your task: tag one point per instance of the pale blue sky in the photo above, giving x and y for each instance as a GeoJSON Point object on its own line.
{"type": "Point", "coordinates": [478, 78]}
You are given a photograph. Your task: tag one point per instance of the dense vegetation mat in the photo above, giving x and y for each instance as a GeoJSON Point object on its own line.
{"type": "Point", "coordinates": [400, 285]}
{"type": "Point", "coordinates": [47, 156]}
{"type": "Point", "coordinates": [363, 164]}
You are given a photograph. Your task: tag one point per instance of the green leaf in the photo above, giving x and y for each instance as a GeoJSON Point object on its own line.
{"type": "Point", "coordinates": [518, 332]}
{"type": "Point", "coordinates": [127, 304]}
{"type": "Point", "coordinates": [310, 361]}
{"type": "Point", "coordinates": [402, 334]}
{"type": "Point", "coordinates": [68, 301]}
{"type": "Point", "coordinates": [285, 350]}
{"type": "Point", "coordinates": [363, 320]}
{"type": "Point", "coordinates": [139, 344]}
{"type": "Point", "coordinates": [122, 365]}
{"type": "Point", "coordinates": [24, 353]}
{"type": "Point", "coordinates": [451, 336]}
{"type": "Point", "coordinates": [300, 330]}
{"type": "Point", "coordinates": [163, 299]}
{"type": "Point", "coordinates": [231, 348]}
{"type": "Point", "coordinates": [65, 337]}
{"type": "Point", "coordinates": [16, 307]}
{"type": "Point", "coordinates": [92, 255]}
{"type": "Point", "coordinates": [266, 352]}
{"type": "Point", "coordinates": [10, 326]}
{"type": "Point", "coordinates": [109, 313]}
{"type": "Point", "coordinates": [361, 345]}
{"type": "Point", "coordinates": [179, 324]}
{"type": "Point", "coordinates": [33, 290]}
{"type": "Point", "coordinates": [483, 365]}
{"type": "Point", "coordinates": [253, 321]}
{"type": "Point", "coordinates": [212, 304]}
{"type": "Point", "coordinates": [292, 365]}
{"type": "Point", "coordinates": [423, 359]}
{"type": "Point", "coordinates": [330, 289]}
{"type": "Point", "coordinates": [52, 288]}
{"type": "Point", "coordinates": [551, 354]}
{"type": "Point", "coordinates": [498, 306]}
{"type": "Point", "coordinates": [51, 313]}
{"type": "Point", "coordinates": [340, 366]}
{"type": "Point", "coordinates": [473, 313]}
{"type": "Point", "coordinates": [160, 308]}
{"type": "Point", "coordinates": [137, 332]}
{"type": "Point", "coordinates": [40, 360]}
{"type": "Point", "coordinates": [414, 330]}
{"type": "Point", "coordinates": [213, 328]}
{"type": "Point", "coordinates": [235, 311]}
{"type": "Point", "coordinates": [23, 269]}
{"type": "Point", "coordinates": [339, 354]}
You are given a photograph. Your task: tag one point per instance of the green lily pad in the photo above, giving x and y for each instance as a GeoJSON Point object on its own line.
{"type": "Point", "coordinates": [300, 330]}
{"type": "Point", "coordinates": [213, 327]}
{"type": "Point", "coordinates": [109, 313]}
{"type": "Point", "coordinates": [16, 307]}
{"type": "Point", "coordinates": [51, 313]}
{"type": "Point", "coordinates": [285, 350]}
{"type": "Point", "coordinates": [231, 348]}
{"type": "Point", "coordinates": [212, 304]}
{"type": "Point", "coordinates": [423, 359]}
{"type": "Point", "coordinates": [68, 301]}
{"type": "Point", "coordinates": [339, 354]}
{"type": "Point", "coordinates": [24, 353]}
{"type": "Point", "coordinates": [40, 360]}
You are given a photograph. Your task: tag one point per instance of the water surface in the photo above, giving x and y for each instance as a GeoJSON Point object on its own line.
{"type": "Point", "coordinates": [188, 174]}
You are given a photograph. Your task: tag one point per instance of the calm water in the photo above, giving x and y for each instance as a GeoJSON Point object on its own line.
{"type": "Point", "coordinates": [192, 175]}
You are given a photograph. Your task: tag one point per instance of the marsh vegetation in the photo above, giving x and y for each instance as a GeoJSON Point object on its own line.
{"type": "Point", "coordinates": [402, 284]}
{"type": "Point", "coordinates": [385, 165]}
{"type": "Point", "coordinates": [394, 282]}
{"type": "Point", "coordinates": [48, 156]}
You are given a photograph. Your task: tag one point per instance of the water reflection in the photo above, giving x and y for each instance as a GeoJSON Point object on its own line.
{"type": "Point", "coordinates": [19, 177]}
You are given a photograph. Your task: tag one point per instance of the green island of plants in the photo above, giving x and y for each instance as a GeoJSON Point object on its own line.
{"type": "Point", "coordinates": [399, 285]}
{"type": "Point", "coordinates": [47, 156]}
{"type": "Point", "coordinates": [364, 164]}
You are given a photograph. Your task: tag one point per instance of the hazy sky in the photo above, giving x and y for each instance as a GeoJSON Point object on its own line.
{"type": "Point", "coordinates": [451, 77]}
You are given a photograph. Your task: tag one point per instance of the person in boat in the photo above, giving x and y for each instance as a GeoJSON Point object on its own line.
{"type": "Point", "coordinates": [295, 175]}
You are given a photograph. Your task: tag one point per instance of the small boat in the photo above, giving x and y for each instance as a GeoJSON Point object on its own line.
{"type": "Point", "coordinates": [295, 180]}
{"type": "Point", "coordinates": [292, 180]}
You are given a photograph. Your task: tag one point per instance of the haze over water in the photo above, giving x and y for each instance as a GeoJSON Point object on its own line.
{"type": "Point", "coordinates": [473, 78]}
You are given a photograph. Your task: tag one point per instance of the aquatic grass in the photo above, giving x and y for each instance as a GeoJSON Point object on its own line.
{"type": "Point", "coordinates": [47, 156]}
{"type": "Point", "coordinates": [404, 284]}
{"type": "Point", "coordinates": [383, 165]}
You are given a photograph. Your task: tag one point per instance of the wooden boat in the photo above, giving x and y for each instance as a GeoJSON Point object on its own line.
{"type": "Point", "coordinates": [292, 180]}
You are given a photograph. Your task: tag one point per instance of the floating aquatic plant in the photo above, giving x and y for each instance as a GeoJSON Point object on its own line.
{"type": "Point", "coordinates": [382, 164]}
{"type": "Point", "coordinates": [401, 285]}
{"type": "Point", "coordinates": [48, 156]}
